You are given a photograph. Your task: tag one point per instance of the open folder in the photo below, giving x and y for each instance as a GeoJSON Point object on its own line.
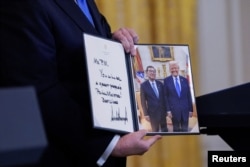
{"type": "Point", "coordinates": [115, 79]}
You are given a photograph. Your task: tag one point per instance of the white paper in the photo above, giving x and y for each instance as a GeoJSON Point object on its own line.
{"type": "Point", "coordinates": [109, 84]}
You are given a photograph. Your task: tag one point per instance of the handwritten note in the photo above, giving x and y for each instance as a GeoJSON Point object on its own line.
{"type": "Point", "coordinates": [109, 84]}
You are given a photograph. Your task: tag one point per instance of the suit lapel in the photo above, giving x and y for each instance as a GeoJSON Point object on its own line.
{"type": "Point", "coordinates": [151, 89]}
{"type": "Point", "coordinates": [96, 17]}
{"type": "Point", "coordinates": [160, 91]}
{"type": "Point", "coordinates": [77, 16]}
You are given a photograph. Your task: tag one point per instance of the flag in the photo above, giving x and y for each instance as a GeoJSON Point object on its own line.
{"type": "Point", "coordinates": [140, 77]}
{"type": "Point", "coordinates": [187, 68]}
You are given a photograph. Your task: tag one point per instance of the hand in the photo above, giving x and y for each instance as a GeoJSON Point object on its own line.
{"type": "Point", "coordinates": [128, 38]}
{"type": "Point", "coordinates": [147, 118]}
{"type": "Point", "coordinates": [134, 144]}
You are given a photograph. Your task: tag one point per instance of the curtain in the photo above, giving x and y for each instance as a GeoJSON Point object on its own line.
{"type": "Point", "coordinates": [170, 22]}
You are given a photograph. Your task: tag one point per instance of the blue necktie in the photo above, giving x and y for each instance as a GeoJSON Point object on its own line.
{"type": "Point", "coordinates": [155, 90]}
{"type": "Point", "coordinates": [177, 86]}
{"type": "Point", "coordinates": [84, 7]}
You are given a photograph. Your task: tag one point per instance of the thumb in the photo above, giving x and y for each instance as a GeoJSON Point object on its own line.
{"type": "Point", "coordinates": [153, 139]}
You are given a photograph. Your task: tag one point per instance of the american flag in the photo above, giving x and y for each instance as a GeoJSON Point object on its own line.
{"type": "Point", "coordinates": [140, 77]}
{"type": "Point", "coordinates": [187, 68]}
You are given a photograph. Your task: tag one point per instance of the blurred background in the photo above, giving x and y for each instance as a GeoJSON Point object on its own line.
{"type": "Point", "coordinates": [217, 32]}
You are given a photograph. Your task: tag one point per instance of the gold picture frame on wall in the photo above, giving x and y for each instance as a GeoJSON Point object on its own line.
{"type": "Point", "coordinates": [161, 53]}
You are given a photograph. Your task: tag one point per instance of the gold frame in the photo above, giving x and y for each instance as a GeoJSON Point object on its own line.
{"type": "Point", "coordinates": [161, 53]}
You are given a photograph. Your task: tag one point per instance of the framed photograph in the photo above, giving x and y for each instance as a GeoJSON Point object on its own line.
{"type": "Point", "coordinates": [129, 93]}
{"type": "Point", "coordinates": [161, 52]}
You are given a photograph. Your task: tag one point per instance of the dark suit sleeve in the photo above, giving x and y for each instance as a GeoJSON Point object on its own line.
{"type": "Point", "coordinates": [189, 96]}
{"type": "Point", "coordinates": [166, 96]}
{"type": "Point", "coordinates": [30, 55]}
{"type": "Point", "coordinates": [143, 97]}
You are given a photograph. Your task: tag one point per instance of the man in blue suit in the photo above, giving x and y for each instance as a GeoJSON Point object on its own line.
{"type": "Point", "coordinates": [178, 99]}
{"type": "Point", "coordinates": [152, 101]}
{"type": "Point", "coordinates": [42, 46]}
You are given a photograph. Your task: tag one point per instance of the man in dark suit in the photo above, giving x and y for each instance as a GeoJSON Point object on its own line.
{"type": "Point", "coordinates": [42, 46]}
{"type": "Point", "coordinates": [178, 98]}
{"type": "Point", "coordinates": [152, 101]}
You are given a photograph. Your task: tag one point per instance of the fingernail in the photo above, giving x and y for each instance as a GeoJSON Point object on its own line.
{"type": "Point", "coordinates": [133, 52]}
{"type": "Point", "coordinates": [135, 39]}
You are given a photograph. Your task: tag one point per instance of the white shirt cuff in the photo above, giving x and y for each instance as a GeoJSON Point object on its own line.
{"type": "Point", "coordinates": [108, 150]}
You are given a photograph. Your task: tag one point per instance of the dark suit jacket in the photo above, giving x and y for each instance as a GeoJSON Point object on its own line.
{"type": "Point", "coordinates": [179, 106]}
{"type": "Point", "coordinates": [151, 105]}
{"type": "Point", "coordinates": [42, 46]}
